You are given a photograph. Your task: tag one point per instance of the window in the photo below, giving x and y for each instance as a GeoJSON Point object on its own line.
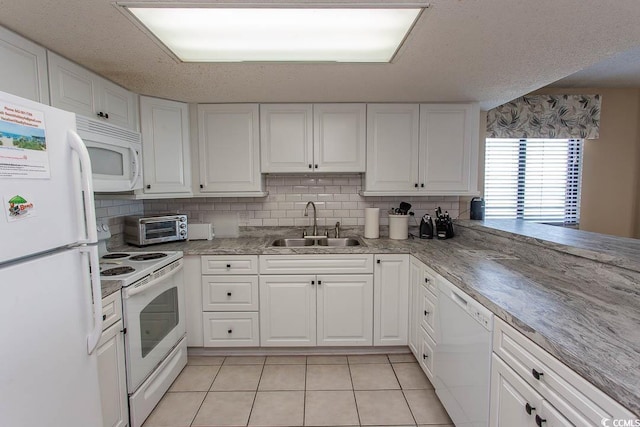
{"type": "Point", "coordinates": [533, 179]}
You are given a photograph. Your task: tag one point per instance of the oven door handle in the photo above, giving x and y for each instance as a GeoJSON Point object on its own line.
{"type": "Point", "coordinates": [129, 292]}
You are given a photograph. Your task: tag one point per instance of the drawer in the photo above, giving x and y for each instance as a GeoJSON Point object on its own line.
{"type": "Point", "coordinates": [426, 347]}
{"type": "Point", "coordinates": [428, 316]}
{"type": "Point", "coordinates": [230, 264]}
{"type": "Point", "coordinates": [231, 329]}
{"type": "Point", "coordinates": [317, 264]}
{"type": "Point", "coordinates": [111, 309]}
{"type": "Point", "coordinates": [430, 280]}
{"type": "Point", "coordinates": [230, 293]}
{"type": "Point", "coordinates": [555, 381]}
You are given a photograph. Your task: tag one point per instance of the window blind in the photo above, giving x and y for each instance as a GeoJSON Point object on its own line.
{"type": "Point", "coordinates": [533, 179]}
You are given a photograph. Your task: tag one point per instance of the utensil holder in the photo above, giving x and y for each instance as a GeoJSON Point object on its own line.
{"type": "Point", "coordinates": [398, 227]}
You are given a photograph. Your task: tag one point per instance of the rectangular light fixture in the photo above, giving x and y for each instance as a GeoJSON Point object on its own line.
{"type": "Point", "coordinates": [283, 34]}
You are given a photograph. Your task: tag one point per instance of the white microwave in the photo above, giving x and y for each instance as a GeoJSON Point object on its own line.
{"type": "Point", "coordinates": [116, 155]}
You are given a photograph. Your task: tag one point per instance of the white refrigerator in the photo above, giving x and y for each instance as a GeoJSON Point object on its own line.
{"type": "Point", "coordinates": [50, 297]}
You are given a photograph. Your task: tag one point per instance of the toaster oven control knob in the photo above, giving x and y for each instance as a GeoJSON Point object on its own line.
{"type": "Point", "coordinates": [183, 225]}
{"type": "Point", "coordinates": [183, 219]}
{"type": "Point", "coordinates": [183, 232]}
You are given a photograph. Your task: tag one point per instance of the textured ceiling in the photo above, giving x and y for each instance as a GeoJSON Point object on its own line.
{"type": "Point", "coordinates": [489, 51]}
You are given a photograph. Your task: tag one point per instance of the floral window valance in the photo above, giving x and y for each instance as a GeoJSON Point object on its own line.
{"type": "Point", "coordinates": [546, 116]}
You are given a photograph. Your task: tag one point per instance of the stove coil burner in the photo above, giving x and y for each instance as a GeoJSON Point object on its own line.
{"type": "Point", "coordinates": [115, 255]}
{"type": "Point", "coordinates": [118, 271]}
{"type": "Point", "coordinates": [147, 257]}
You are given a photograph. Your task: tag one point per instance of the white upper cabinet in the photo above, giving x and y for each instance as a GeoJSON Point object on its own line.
{"type": "Point", "coordinates": [428, 149]}
{"type": "Point", "coordinates": [229, 149]}
{"type": "Point", "coordinates": [392, 147]}
{"type": "Point", "coordinates": [76, 89]}
{"type": "Point", "coordinates": [24, 67]}
{"type": "Point", "coordinates": [318, 137]}
{"type": "Point", "coordinates": [165, 145]}
{"type": "Point", "coordinates": [286, 137]}
{"type": "Point", "coordinates": [449, 148]}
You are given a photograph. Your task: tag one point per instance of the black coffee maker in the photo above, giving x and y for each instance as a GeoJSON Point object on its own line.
{"type": "Point", "coordinates": [426, 227]}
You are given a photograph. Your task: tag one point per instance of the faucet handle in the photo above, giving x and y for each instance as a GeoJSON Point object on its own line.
{"type": "Point", "coordinates": [304, 233]}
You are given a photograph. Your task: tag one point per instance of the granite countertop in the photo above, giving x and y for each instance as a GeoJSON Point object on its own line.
{"type": "Point", "coordinates": [578, 303]}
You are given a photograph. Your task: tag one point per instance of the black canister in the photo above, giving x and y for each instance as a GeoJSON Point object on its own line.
{"type": "Point", "coordinates": [477, 208]}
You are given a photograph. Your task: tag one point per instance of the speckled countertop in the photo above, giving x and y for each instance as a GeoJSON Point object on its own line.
{"type": "Point", "coordinates": [578, 303]}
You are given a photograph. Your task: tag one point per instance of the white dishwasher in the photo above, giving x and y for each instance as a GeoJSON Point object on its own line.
{"type": "Point", "coordinates": [462, 358]}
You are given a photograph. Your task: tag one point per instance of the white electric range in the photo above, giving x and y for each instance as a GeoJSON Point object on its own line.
{"type": "Point", "coordinates": [154, 318]}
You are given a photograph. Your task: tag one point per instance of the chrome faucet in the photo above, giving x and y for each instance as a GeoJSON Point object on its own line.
{"type": "Point", "coordinates": [315, 217]}
{"type": "Point", "coordinates": [337, 229]}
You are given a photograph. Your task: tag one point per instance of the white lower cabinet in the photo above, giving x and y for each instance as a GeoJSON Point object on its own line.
{"type": "Point", "coordinates": [230, 329]}
{"type": "Point", "coordinates": [111, 367]}
{"type": "Point", "coordinates": [391, 300]}
{"type": "Point", "coordinates": [323, 310]}
{"type": "Point", "coordinates": [531, 387]}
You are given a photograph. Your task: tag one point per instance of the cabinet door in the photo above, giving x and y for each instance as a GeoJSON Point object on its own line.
{"type": "Point", "coordinates": [24, 67]}
{"type": "Point", "coordinates": [513, 401]}
{"type": "Point", "coordinates": [119, 104]}
{"type": "Point", "coordinates": [288, 311]}
{"type": "Point", "coordinates": [228, 138]}
{"type": "Point", "coordinates": [391, 300]}
{"type": "Point", "coordinates": [345, 309]}
{"type": "Point", "coordinates": [73, 88]}
{"type": "Point", "coordinates": [415, 277]}
{"type": "Point", "coordinates": [165, 145]}
{"type": "Point", "coordinates": [339, 137]}
{"type": "Point", "coordinates": [392, 147]}
{"type": "Point", "coordinates": [286, 138]}
{"type": "Point", "coordinates": [111, 377]}
{"type": "Point", "coordinates": [449, 148]}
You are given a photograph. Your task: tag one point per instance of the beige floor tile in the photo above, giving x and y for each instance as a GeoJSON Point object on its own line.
{"type": "Point", "coordinates": [244, 360]}
{"type": "Point", "coordinates": [411, 376]}
{"type": "Point", "coordinates": [383, 407]}
{"type": "Point", "coordinates": [368, 358]}
{"type": "Point", "coordinates": [278, 408]}
{"type": "Point", "coordinates": [205, 360]}
{"type": "Point", "coordinates": [286, 360]}
{"type": "Point", "coordinates": [195, 378]}
{"type": "Point", "coordinates": [373, 377]}
{"type": "Point", "coordinates": [426, 407]}
{"type": "Point", "coordinates": [401, 358]}
{"type": "Point", "coordinates": [227, 408]}
{"type": "Point", "coordinates": [283, 377]}
{"type": "Point", "coordinates": [237, 378]}
{"type": "Point", "coordinates": [326, 360]}
{"type": "Point", "coordinates": [330, 408]}
{"type": "Point", "coordinates": [328, 377]}
{"type": "Point", "coordinates": [175, 410]}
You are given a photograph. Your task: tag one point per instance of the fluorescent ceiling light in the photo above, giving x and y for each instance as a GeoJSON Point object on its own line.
{"type": "Point", "coordinates": [280, 34]}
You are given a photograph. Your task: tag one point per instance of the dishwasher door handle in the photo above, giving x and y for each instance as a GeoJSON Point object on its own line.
{"type": "Point", "coordinates": [462, 302]}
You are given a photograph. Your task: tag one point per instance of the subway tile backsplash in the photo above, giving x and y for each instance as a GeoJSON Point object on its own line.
{"type": "Point", "coordinates": [336, 198]}
{"type": "Point", "coordinates": [112, 212]}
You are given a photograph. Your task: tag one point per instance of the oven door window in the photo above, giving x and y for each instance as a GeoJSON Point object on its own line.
{"type": "Point", "coordinates": [157, 319]}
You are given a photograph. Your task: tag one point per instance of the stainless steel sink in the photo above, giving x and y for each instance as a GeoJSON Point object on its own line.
{"type": "Point", "coordinates": [342, 241]}
{"type": "Point", "coordinates": [331, 242]}
{"type": "Point", "coordinates": [292, 242]}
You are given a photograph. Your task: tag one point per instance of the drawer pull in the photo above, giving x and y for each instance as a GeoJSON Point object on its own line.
{"type": "Point", "coordinates": [426, 280]}
{"type": "Point", "coordinates": [230, 331]}
{"type": "Point", "coordinates": [313, 282]}
{"type": "Point", "coordinates": [529, 408]}
{"type": "Point", "coordinates": [228, 294]}
{"type": "Point", "coordinates": [104, 317]}
{"type": "Point", "coordinates": [426, 313]}
{"type": "Point", "coordinates": [228, 265]}
{"type": "Point", "coordinates": [424, 356]}
{"type": "Point", "coordinates": [319, 282]}
{"type": "Point", "coordinates": [377, 261]}
{"type": "Point", "coordinates": [536, 374]}
{"type": "Point", "coordinates": [539, 420]}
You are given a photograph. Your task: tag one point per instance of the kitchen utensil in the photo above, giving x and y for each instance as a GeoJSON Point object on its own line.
{"type": "Point", "coordinates": [404, 208]}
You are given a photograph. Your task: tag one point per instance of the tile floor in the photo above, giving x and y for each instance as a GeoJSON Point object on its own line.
{"type": "Point", "coordinates": [363, 390]}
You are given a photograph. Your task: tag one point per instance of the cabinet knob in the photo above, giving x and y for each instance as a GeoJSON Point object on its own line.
{"type": "Point", "coordinates": [426, 280]}
{"type": "Point", "coordinates": [377, 261]}
{"type": "Point", "coordinates": [529, 408]}
{"type": "Point", "coordinates": [313, 282]}
{"type": "Point", "coordinates": [100, 114]}
{"type": "Point", "coordinates": [319, 282]}
{"type": "Point", "coordinates": [148, 186]}
{"type": "Point", "coordinates": [104, 317]}
{"type": "Point", "coordinates": [536, 374]}
{"type": "Point", "coordinates": [228, 265]}
{"type": "Point", "coordinates": [201, 186]}
{"type": "Point", "coordinates": [415, 185]}
{"type": "Point", "coordinates": [228, 294]}
{"type": "Point", "coordinates": [316, 166]}
{"type": "Point", "coordinates": [540, 420]}
{"type": "Point", "coordinates": [426, 313]}
{"type": "Point", "coordinates": [230, 331]}
{"type": "Point", "coordinates": [310, 167]}
{"type": "Point", "coordinates": [422, 185]}
{"type": "Point", "coordinates": [424, 356]}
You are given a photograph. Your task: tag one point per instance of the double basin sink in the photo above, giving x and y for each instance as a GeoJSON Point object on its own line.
{"type": "Point", "coordinates": [329, 242]}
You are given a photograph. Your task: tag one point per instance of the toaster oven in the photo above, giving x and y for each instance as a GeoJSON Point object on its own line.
{"type": "Point", "coordinates": [142, 230]}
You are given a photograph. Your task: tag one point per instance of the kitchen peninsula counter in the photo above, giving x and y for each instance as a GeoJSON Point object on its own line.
{"type": "Point", "coordinates": [575, 294]}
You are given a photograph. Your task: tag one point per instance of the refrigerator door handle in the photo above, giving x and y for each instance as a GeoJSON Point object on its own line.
{"type": "Point", "coordinates": [87, 187]}
{"type": "Point", "coordinates": [96, 290]}
{"type": "Point", "coordinates": [136, 160]}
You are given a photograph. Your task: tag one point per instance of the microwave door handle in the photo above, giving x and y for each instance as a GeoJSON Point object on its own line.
{"type": "Point", "coordinates": [89, 233]}
{"type": "Point", "coordinates": [136, 160]}
{"type": "Point", "coordinates": [129, 292]}
{"type": "Point", "coordinates": [96, 332]}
